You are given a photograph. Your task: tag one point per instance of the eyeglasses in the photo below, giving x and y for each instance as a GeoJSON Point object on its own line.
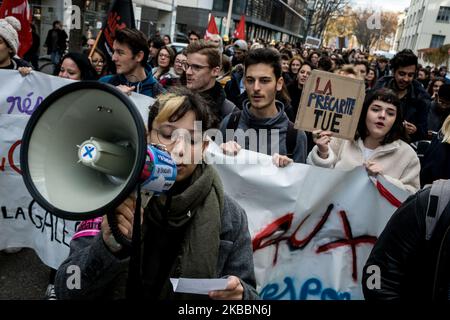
{"type": "Point", "coordinates": [162, 55]}
{"type": "Point", "coordinates": [98, 62]}
{"type": "Point", "coordinates": [195, 67]}
{"type": "Point", "coordinates": [167, 136]}
{"type": "Point", "coordinates": [180, 61]}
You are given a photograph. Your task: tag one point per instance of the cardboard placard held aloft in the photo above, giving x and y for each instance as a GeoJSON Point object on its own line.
{"type": "Point", "coordinates": [331, 102]}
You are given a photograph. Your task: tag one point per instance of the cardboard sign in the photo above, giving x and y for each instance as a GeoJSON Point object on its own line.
{"type": "Point", "coordinates": [331, 102]}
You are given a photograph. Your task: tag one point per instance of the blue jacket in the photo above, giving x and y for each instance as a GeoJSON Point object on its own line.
{"type": "Point", "coordinates": [149, 86]}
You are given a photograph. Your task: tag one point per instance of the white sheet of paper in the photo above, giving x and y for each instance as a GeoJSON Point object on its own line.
{"type": "Point", "coordinates": [197, 286]}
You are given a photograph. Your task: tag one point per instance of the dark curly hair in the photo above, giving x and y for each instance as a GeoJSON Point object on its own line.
{"type": "Point", "coordinates": [397, 131]}
{"type": "Point", "coordinates": [265, 56]}
{"type": "Point", "coordinates": [404, 58]}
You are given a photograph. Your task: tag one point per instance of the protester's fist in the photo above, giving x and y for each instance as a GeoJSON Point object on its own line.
{"type": "Point", "coordinates": [281, 161]}
{"type": "Point", "coordinates": [409, 127]}
{"type": "Point", "coordinates": [24, 71]}
{"type": "Point", "coordinates": [126, 89]}
{"type": "Point", "coordinates": [124, 216]}
{"type": "Point", "coordinates": [231, 148]}
{"type": "Point", "coordinates": [233, 291]}
{"type": "Point", "coordinates": [373, 168]}
{"type": "Point", "coordinates": [322, 139]}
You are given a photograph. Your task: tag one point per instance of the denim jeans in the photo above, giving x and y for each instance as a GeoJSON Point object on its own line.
{"type": "Point", "coordinates": [55, 56]}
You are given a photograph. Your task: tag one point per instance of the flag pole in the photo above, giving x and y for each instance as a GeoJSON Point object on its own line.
{"type": "Point", "coordinates": [95, 44]}
{"type": "Point", "coordinates": [230, 9]}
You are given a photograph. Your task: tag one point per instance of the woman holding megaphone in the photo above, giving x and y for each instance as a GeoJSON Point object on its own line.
{"type": "Point", "coordinates": [194, 231]}
{"type": "Point", "coordinates": [378, 144]}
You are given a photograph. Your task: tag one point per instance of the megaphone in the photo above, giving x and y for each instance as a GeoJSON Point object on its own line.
{"type": "Point", "coordinates": [84, 151]}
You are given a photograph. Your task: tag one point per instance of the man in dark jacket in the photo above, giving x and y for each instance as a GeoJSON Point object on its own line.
{"type": "Point", "coordinates": [263, 114]}
{"type": "Point", "coordinates": [130, 57]}
{"type": "Point", "coordinates": [412, 259]}
{"type": "Point", "coordinates": [202, 68]}
{"type": "Point", "coordinates": [56, 42]}
{"type": "Point", "coordinates": [415, 101]}
{"type": "Point", "coordinates": [439, 110]}
{"type": "Point", "coordinates": [234, 88]}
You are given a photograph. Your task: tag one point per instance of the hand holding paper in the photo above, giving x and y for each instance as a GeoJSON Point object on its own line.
{"type": "Point", "coordinates": [198, 286]}
{"type": "Point", "coordinates": [233, 291]}
{"type": "Point", "coordinates": [218, 289]}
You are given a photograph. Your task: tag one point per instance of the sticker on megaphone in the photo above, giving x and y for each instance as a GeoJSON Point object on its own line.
{"type": "Point", "coordinates": [160, 170]}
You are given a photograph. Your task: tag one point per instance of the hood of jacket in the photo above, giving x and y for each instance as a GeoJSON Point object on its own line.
{"type": "Point", "coordinates": [279, 121]}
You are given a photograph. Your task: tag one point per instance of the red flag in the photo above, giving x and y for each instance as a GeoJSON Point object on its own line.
{"type": "Point", "coordinates": [239, 33]}
{"type": "Point", "coordinates": [212, 28]}
{"type": "Point", "coordinates": [19, 9]}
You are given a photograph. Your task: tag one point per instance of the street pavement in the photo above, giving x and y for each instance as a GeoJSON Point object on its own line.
{"type": "Point", "coordinates": [23, 276]}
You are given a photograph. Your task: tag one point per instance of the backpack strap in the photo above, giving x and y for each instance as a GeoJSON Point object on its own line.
{"type": "Point", "coordinates": [437, 202]}
{"type": "Point", "coordinates": [233, 121]}
{"type": "Point", "coordinates": [291, 139]}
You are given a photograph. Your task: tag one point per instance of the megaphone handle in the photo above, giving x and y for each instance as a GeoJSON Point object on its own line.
{"type": "Point", "coordinates": [117, 234]}
{"type": "Point", "coordinates": [113, 223]}
{"type": "Point", "coordinates": [134, 282]}
{"type": "Point", "coordinates": [146, 196]}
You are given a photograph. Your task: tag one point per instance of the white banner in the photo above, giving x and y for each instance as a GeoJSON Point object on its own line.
{"type": "Point", "coordinates": [312, 228]}
{"type": "Point", "coordinates": [23, 223]}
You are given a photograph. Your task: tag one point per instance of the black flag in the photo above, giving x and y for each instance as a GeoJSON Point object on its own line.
{"type": "Point", "coordinates": [120, 16]}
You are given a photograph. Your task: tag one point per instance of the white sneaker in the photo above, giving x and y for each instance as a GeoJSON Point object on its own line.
{"type": "Point", "coordinates": [12, 250]}
{"type": "Point", "coordinates": [50, 293]}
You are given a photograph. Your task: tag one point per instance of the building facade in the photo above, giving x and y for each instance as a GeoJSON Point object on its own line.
{"type": "Point", "coordinates": [400, 28]}
{"type": "Point", "coordinates": [279, 20]}
{"type": "Point", "coordinates": [266, 19]}
{"type": "Point", "coordinates": [427, 25]}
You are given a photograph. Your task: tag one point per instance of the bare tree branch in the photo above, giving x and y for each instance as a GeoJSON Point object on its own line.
{"type": "Point", "coordinates": [323, 11]}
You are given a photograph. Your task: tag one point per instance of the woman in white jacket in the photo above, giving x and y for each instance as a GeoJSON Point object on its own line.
{"type": "Point", "coordinates": [378, 144]}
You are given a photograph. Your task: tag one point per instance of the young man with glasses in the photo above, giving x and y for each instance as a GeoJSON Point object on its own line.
{"type": "Point", "coordinates": [130, 57]}
{"type": "Point", "coordinates": [202, 69]}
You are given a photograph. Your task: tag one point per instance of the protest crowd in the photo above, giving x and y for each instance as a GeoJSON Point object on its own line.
{"type": "Point", "coordinates": [250, 85]}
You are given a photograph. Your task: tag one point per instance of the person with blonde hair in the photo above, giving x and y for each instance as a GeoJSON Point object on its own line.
{"type": "Point", "coordinates": [194, 231]}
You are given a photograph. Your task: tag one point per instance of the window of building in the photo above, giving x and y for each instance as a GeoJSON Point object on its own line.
{"type": "Point", "coordinates": [437, 41]}
{"type": "Point", "coordinates": [443, 15]}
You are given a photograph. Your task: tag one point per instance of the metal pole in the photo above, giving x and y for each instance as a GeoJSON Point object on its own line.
{"type": "Point", "coordinates": [230, 8]}
{"type": "Point", "coordinates": [174, 20]}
